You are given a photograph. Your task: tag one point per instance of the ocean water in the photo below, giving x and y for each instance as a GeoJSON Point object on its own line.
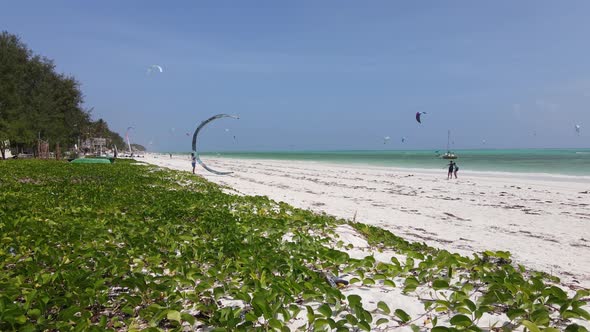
{"type": "Point", "coordinates": [574, 162]}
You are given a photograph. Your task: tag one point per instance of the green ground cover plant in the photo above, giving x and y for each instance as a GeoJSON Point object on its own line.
{"type": "Point", "coordinates": [128, 247]}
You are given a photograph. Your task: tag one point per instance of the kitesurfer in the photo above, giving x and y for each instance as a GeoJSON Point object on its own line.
{"type": "Point", "coordinates": [456, 170]}
{"type": "Point", "coordinates": [193, 161]}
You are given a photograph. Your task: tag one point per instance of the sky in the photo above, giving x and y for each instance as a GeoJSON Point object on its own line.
{"type": "Point", "coordinates": [323, 75]}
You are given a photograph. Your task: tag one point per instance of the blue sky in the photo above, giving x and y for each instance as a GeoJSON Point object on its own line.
{"type": "Point", "coordinates": [324, 74]}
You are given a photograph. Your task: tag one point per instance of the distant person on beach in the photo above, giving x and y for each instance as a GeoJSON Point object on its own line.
{"type": "Point", "coordinates": [171, 156]}
{"type": "Point", "coordinates": [456, 170]}
{"type": "Point", "coordinates": [193, 161]}
{"type": "Point", "coordinates": [451, 169]}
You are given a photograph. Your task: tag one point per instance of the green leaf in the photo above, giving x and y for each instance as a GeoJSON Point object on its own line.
{"type": "Point", "coordinates": [275, 323]}
{"type": "Point", "coordinates": [583, 313]}
{"type": "Point", "coordinates": [243, 296]}
{"type": "Point", "coordinates": [368, 281]}
{"type": "Point", "coordinates": [410, 284]}
{"type": "Point", "coordinates": [325, 310]}
{"type": "Point", "coordinates": [34, 313]}
{"type": "Point", "coordinates": [440, 329]}
{"type": "Point", "coordinates": [470, 304]}
{"type": "Point", "coordinates": [389, 283]}
{"type": "Point", "coordinates": [187, 318]}
{"type": "Point", "coordinates": [440, 284]}
{"type": "Point", "coordinates": [581, 293]}
{"type": "Point", "coordinates": [384, 307]}
{"type": "Point", "coordinates": [460, 320]}
{"type": "Point", "coordinates": [20, 319]}
{"type": "Point", "coordinates": [320, 323]}
{"type": "Point", "coordinates": [382, 321]}
{"type": "Point", "coordinates": [251, 316]}
{"type": "Point", "coordinates": [531, 326]}
{"type": "Point", "coordinates": [354, 280]}
{"type": "Point", "coordinates": [366, 316]}
{"type": "Point", "coordinates": [558, 292]}
{"type": "Point", "coordinates": [540, 316]}
{"type": "Point", "coordinates": [515, 313]}
{"type": "Point", "coordinates": [173, 315]}
{"type": "Point", "coordinates": [354, 299]}
{"type": "Point", "coordinates": [568, 314]}
{"type": "Point", "coordinates": [364, 326]}
{"type": "Point", "coordinates": [310, 314]}
{"type": "Point", "coordinates": [402, 315]}
{"type": "Point", "coordinates": [575, 328]}
{"type": "Point", "coordinates": [351, 319]}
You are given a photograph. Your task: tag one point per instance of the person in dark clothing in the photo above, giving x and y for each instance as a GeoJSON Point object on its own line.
{"type": "Point", "coordinates": [451, 169]}
{"type": "Point", "coordinates": [456, 170]}
{"type": "Point", "coordinates": [193, 161]}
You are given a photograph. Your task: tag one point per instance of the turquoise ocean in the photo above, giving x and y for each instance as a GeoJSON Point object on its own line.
{"type": "Point", "coordinates": [573, 162]}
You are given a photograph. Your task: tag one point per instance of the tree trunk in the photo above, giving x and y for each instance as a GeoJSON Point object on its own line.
{"type": "Point", "coordinates": [57, 152]}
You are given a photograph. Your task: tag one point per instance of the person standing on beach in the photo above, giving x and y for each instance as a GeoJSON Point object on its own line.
{"type": "Point", "coordinates": [451, 169]}
{"type": "Point", "coordinates": [193, 161]}
{"type": "Point", "coordinates": [456, 170]}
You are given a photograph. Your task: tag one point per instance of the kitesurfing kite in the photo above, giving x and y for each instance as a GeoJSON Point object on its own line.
{"type": "Point", "coordinates": [577, 127]}
{"type": "Point", "coordinates": [196, 134]}
{"type": "Point", "coordinates": [386, 139]}
{"type": "Point", "coordinates": [418, 115]}
{"type": "Point", "coordinates": [153, 68]}
{"type": "Point", "coordinates": [403, 139]}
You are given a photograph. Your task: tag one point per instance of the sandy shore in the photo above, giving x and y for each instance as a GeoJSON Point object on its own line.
{"type": "Point", "coordinates": [543, 221]}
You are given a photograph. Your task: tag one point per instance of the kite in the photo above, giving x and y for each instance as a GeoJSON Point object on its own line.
{"type": "Point", "coordinates": [418, 114]}
{"type": "Point", "coordinates": [386, 139]}
{"type": "Point", "coordinates": [153, 68]}
{"type": "Point", "coordinates": [196, 134]}
{"type": "Point", "coordinates": [403, 139]}
{"type": "Point", "coordinates": [577, 127]}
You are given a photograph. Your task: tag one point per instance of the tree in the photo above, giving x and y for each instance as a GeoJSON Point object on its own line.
{"type": "Point", "coordinates": [36, 102]}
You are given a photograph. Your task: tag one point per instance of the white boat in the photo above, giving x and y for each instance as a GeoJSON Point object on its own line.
{"type": "Point", "coordinates": [449, 154]}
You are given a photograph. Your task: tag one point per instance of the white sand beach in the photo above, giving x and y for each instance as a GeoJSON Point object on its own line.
{"type": "Point", "coordinates": [544, 221]}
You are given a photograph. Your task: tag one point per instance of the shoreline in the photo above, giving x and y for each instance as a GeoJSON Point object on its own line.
{"type": "Point", "coordinates": [558, 177]}
{"type": "Point", "coordinates": [442, 170]}
{"type": "Point", "coordinates": [543, 223]}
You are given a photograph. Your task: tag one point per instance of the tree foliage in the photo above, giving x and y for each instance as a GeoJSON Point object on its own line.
{"type": "Point", "coordinates": [37, 102]}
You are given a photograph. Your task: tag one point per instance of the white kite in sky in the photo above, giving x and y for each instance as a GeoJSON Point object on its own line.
{"type": "Point", "coordinates": [153, 68]}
